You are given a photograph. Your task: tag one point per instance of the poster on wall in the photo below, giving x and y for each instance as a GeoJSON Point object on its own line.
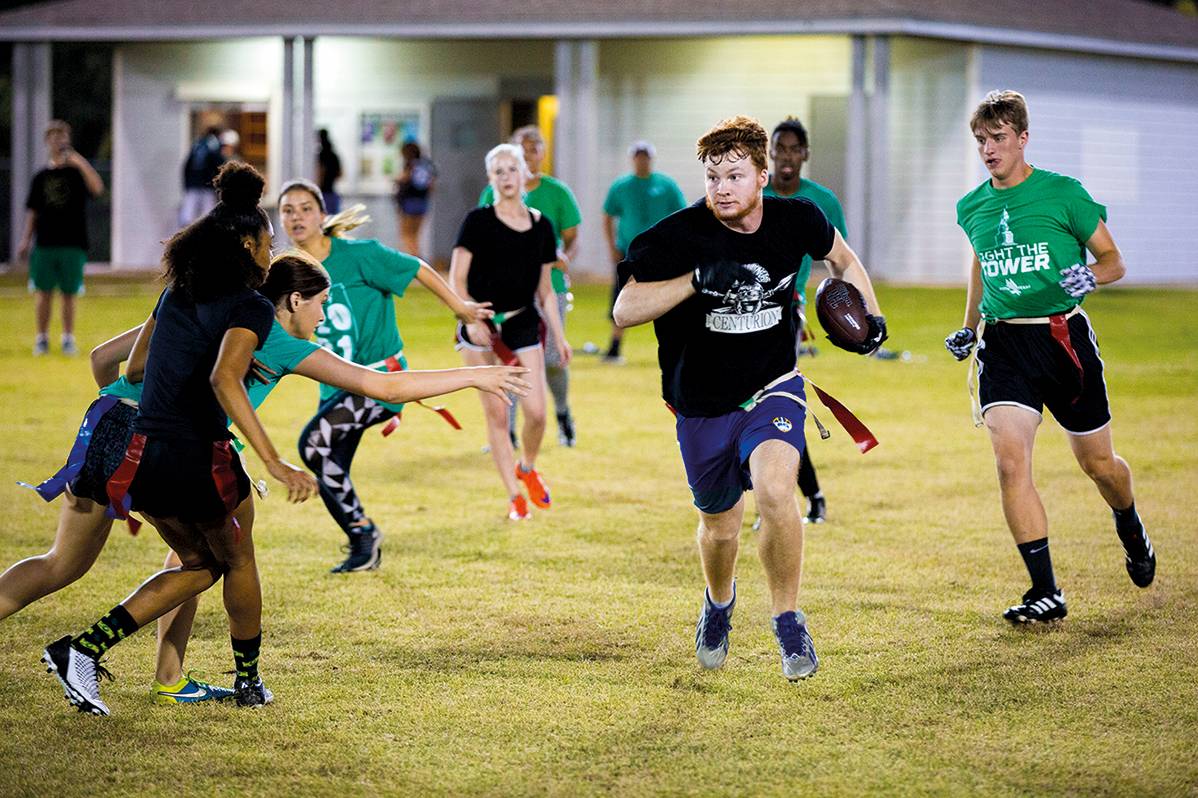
{"type": "Point", "coordinates": [381, 135]}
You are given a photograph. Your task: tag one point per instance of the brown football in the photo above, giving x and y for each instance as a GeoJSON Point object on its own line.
{"type": "Point", "coordinates": [841, 312]}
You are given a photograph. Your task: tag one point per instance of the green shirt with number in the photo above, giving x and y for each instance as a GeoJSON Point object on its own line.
{"type": "Point", "coordinates": [556, 201]}
{"type": "Point", "coordinates": [359, 319]}
{"type": "Point", "coordinates": [1023, 237]}
{"type": "Point", "coordinates": [826, 201]}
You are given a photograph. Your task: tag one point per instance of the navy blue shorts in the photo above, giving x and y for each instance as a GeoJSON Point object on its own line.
{"type": "Point", "coordinates": [715, 451]}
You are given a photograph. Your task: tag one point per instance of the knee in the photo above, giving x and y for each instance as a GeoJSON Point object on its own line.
{"type": "Point", "coordinates": [534, 414]}
{"type": "Point", "coordinates": [716, 530]}
{"type": "Point", "coordinates": [1012, 467]}
{"type": "Point", "coordinates": [206, 561]}
{"type": "Point", "coordinates": [775, 497]}
{"type": "Point", "coordinates": [1100, 466]}
{"type": "Point", "coordinates": [64, 568]}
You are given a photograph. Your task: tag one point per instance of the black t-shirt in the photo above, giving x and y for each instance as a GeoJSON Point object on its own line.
{"type": "Point", "coordinates": [58, 197]}
{"type": "Point", "coordinates": [177, 400]}
{"type": "Point", "coordinates": [330, 169]}
{"type": "Point", "coordinates": [506, 264]}
{"type": "Point", "coordinates": [716, 352]}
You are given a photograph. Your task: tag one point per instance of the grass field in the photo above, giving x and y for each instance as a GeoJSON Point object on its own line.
{"type": "Point", "coordinates": [556, 657]}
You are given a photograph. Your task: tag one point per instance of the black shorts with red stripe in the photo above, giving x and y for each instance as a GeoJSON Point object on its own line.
{"type": "Point", "coordinates": [1023, 365]}
{"type": "Point", "coordinates": [193, 481]}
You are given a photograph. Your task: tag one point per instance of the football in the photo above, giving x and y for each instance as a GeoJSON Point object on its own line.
{"type": "Point", "coordinates": [842, 313]}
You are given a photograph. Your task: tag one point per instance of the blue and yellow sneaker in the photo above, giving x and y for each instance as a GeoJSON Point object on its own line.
{"type": "Point", "coordinates": [188, 690]}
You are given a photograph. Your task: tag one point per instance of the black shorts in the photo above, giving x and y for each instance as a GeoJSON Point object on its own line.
{"type": "Point", "coordinates": [1023, 365]}
{"type": "Point", "coordinates": [193, 481]}
{"type": "Point", "coordinates": [105, 453]}
{"type": "Point", "coordinates": [522, 331]}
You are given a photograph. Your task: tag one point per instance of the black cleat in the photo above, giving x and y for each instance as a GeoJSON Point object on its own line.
{"type": "Point", "coordinates": [565, 430]}
{"type": "Point", "coordinates": [1139, 557]}
{"type": "Point", "coordinates": [1037, 608]}
{"type": "Point", "coordinates": [79, 675]}
{"type": "Point", "coordinates": [364, 549]}
{"type": "Point", "coordinates": [817, 510]}
{"type": "Point", "coordinates": [251, 692]}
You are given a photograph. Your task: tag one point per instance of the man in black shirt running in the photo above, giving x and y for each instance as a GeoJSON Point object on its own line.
{"type": "Point", "coordinates": [716, 279]}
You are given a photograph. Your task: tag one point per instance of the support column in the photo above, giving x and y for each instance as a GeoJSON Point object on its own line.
{"type": "Point", "coordinates": [879, 157]}
{"type": "Point", "coordinates": [287, 122]}
{"type": "Point", "coordinates": [307, 135]}
{"type": "Point", "coordinates": [576, 143]}
{"type": "Point", "coordinates": [31, 76]}
{"type": "Point", "coordinates": [855, 156]}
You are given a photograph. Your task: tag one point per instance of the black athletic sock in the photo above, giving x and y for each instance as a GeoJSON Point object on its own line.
{"type": "Point", "coordinates": [1039, 565]}
{"type": "Point", "coordinates": [614, 349]}
{"type": "Point", "coordinates": [106, 632]}
{"type": "Point", "coordinates": [1130, 528]}
{"type": "Point", "coordinates": [245, 656]}
{"type": "Point", "coordinates": [808, 483]}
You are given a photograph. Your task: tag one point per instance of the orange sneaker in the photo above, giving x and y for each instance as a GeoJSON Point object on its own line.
{"type": "Point", "coordinates": [518, 510]}
{"type": "Point", "coordinates": [537, 492]}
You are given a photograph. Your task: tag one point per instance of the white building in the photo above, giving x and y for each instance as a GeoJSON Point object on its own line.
{"type": "Point", "coordinates": [885, 88]}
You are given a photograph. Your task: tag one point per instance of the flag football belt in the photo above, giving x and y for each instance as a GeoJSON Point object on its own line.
{"type": "Point", "coordinates": [857, 430]}
{"type": "Point", "coordinates": [1058, 326]}
{"type": "Point", "coordinates": [860, 434]}
{"type": "Point", "coordinates": [502, 350]}
{"type": "Point", "coordinates": [53, 487]}
{"type": "Point", "coordinates": [393, 363]}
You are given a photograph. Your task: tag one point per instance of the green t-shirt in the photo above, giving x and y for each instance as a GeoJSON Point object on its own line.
{"type": "Point", "coordinates": [281, 353]}
{"type": "Point", "coordinates": [640, 203]}
{"type": "Point", "coordinates": [1023, 237]}
{"type": "Point", "coordinates": [121, 388]}
{"type": "Point", "coordinates": [555, 200]}
{"type": "Point", "coordinates": [359, 320]}
{"type": "Point", "coordinates": [827, 202]}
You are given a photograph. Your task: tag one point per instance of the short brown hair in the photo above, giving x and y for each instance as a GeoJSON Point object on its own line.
{"type": "Point", "coordinates": [57, 126]}
{"type": "Point", "coordinates": [742, 136]}
{"type": "Point", "coordinates": [1000, 107]}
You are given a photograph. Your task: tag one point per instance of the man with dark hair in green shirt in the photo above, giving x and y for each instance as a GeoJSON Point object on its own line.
{"type": "Point", "coordinates": [638, 200]}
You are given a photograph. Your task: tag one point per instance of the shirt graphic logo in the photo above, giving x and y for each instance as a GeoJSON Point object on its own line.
{"type": "Point", "coordinates": [1004, 237]}
{"type": "Point", "coordinates": [1014, 288]}
{"type": "Point", "coordinates": [783, 424]}
{"type": "Point", "coordinates": [747, 307]}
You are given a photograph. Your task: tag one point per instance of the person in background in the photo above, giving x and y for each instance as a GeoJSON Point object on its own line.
{"type": "Point", "coordinates": [328, 171]}
{"type": "Point", "coordinates": [203, 161]}
{"type": "Point", "coordinates": [638, 200]}
{"type": "Point", "coordinates": [56, 219]}
{"type": "Point", "coordinates": [556, 201]}
{"type": "Point", "coordinates": [413, 188]}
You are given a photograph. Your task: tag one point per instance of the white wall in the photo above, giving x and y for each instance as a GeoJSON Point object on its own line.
{"type": "Point", "coordinates": [153, 87]}
{"type": "Point", "coordinates": [930, 152]}
{"type": "Point", "coordinates": [1127, 129]}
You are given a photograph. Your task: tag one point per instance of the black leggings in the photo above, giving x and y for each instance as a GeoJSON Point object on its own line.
{"type": "Point", "coordinates": [327, 446]}
{"type": "Point", "coordinates": [808, 484]}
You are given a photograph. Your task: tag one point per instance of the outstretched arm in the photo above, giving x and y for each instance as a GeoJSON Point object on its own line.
{"type": "Point", "coordinates": [409, 386]}
{"type": "Point", "coordinates": [236, 351]}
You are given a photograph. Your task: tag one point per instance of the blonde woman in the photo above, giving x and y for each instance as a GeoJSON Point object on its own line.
{"type": "Point", "coordinates": [503, 258]}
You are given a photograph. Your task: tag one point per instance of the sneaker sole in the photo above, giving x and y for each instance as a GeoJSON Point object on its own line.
{"type": "Point", "coordinates": [1023, 620]}
{"type": "Point", "coordinates": [76, 699]}
{"type": "Point", "coordinates": [800, 677]}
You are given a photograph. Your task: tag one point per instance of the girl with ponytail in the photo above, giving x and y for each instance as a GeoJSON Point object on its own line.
{"type": "Point", "coordinates": [361, 327]}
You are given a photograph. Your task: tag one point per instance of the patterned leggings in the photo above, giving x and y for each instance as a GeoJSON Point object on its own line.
{"type": "Point", "coordinates": [327, 446]}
